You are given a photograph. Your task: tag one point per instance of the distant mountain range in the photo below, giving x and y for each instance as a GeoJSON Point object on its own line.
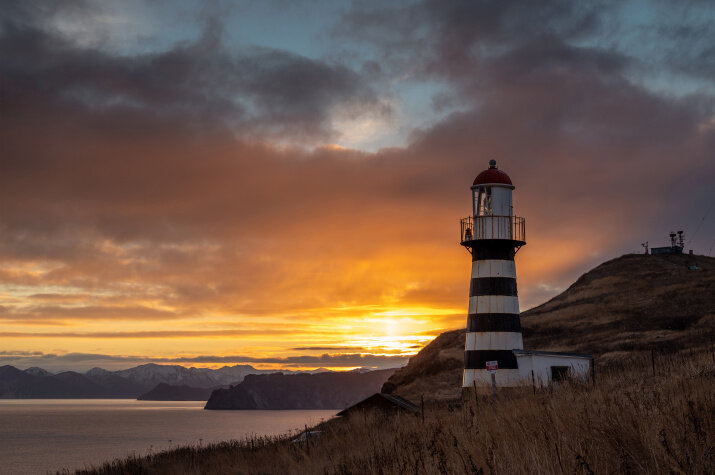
{"type": "Point", "coordinates": [149, 375]}
{"type": "Point", "coordinates": [177, 382]}
{"type": "Point", "coordinates": [278, 391]}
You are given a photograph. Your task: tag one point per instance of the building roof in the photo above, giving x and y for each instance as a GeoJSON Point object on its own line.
{"type": "Point", "coordinates": [381, 400]}
{"type": "Point", "coordinates": [492, 175]}
{"type": "Point", "coordinates": [550, 353]}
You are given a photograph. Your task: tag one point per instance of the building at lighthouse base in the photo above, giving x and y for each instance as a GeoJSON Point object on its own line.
{"type": "Point", "coordinates": [539, 368]}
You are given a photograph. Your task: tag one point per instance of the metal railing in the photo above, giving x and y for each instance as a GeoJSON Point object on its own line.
{"type": "Point", "coordinates": [493, 227]}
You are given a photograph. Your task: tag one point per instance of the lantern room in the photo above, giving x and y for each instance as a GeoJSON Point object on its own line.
{"type": "Point", "coordinates": [491, 193]}
{"type": "Point", "coordinates": [492, 210]}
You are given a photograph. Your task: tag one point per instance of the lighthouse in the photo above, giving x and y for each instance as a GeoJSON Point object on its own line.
{"type": "Point", "coordinates": [492, 235]}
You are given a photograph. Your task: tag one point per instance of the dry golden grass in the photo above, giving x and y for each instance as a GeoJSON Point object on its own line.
{"type": "Point", "coordinates": [629, 422]}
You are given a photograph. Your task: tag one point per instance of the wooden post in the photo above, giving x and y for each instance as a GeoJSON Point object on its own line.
{"type": "Point", "coordinates": [652, 360]}
{"type": "Point", "coordinates": [476, 401]}
{"type": "Point", "coordinates": [422, 407]}
{"type": "Point", "coordinates": [593, 371]}
{"type": "Point", "coordinates": [307, 443]}
{"type": "Point", "coordinates": [533, 382]}
{"type": "Point", "coordinates": [494, 387]}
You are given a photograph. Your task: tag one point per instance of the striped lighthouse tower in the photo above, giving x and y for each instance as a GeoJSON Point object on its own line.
{"type": "Point", "coordinates": [492, 235]}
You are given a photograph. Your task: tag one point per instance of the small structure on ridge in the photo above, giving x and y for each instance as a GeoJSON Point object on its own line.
{"type": "Point", "coordinates": [676, 245]}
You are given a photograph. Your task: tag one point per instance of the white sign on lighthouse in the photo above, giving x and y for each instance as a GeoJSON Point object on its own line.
{"type": "Point", "coordinates": [492, 366]}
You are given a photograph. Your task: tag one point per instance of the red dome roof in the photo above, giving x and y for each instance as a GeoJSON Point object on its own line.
{"type": "Point", "coordinates": [492, 175]}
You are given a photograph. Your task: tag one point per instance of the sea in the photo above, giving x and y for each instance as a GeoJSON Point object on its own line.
{"type": "Point", "coordinates": [39, 436]}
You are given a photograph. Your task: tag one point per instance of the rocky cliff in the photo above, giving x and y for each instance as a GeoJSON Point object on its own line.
{"type": "Point", "coordinates": [333, 390]}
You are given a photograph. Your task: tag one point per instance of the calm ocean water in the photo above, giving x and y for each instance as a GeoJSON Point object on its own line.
{"type": "Point", "coordinates": [37, 436]}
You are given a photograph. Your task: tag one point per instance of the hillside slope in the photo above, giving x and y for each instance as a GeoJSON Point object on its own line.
{"type": "Point", "coordinates": [629, 304]}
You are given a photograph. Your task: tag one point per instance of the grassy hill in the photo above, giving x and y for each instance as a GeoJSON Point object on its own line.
{"type": "Point", "coordinates": [617, 310]}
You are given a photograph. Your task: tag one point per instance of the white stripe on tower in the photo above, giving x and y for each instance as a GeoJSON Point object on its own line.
{"type": "Point", "coordinates": [493, 268]}
{"type": "Point", "coordinates": [493, 340]}
{"type": "Point", "coordinates": [494, 304]}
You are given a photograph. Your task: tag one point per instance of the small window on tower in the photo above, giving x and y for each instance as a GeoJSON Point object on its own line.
{"type": "Point", "coordinates": [484, 201]}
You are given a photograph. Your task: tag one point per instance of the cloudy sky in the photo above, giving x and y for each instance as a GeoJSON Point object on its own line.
{"type": "Point", "coordinates": [280, 183]}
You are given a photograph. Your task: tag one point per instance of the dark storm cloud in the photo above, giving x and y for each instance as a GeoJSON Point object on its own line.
{"type": "Point", "coordinates": [682, 34]}
{"type": "Point", "coordinates": [533, 89]}
{"type": "Point", "coordinates": [451, 38]}
{"type": "Point", "coordinates": [204, 83]}
{"type": "Point", "coordinates": [542, 85]}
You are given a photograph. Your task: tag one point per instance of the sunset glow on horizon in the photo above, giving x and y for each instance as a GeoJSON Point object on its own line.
{"type": "Point", "coordinates": [280, 185]}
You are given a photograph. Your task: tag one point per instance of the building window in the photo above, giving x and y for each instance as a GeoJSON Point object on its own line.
{"type": "Point", "coordinates": [560, 373]}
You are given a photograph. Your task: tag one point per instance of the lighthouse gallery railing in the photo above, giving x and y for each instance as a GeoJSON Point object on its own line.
{"type": "Point", "coordinates": [493, 227]}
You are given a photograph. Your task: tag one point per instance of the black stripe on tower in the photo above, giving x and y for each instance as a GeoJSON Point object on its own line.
{"type": "Point", "coordinates": [478, 359]}
{"type": "Point", "coordinates": [493, 322]}
{"type": "Point", "coordinates": [493, 286]}
{"type": "Point", "coordinates": [493, 249]}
